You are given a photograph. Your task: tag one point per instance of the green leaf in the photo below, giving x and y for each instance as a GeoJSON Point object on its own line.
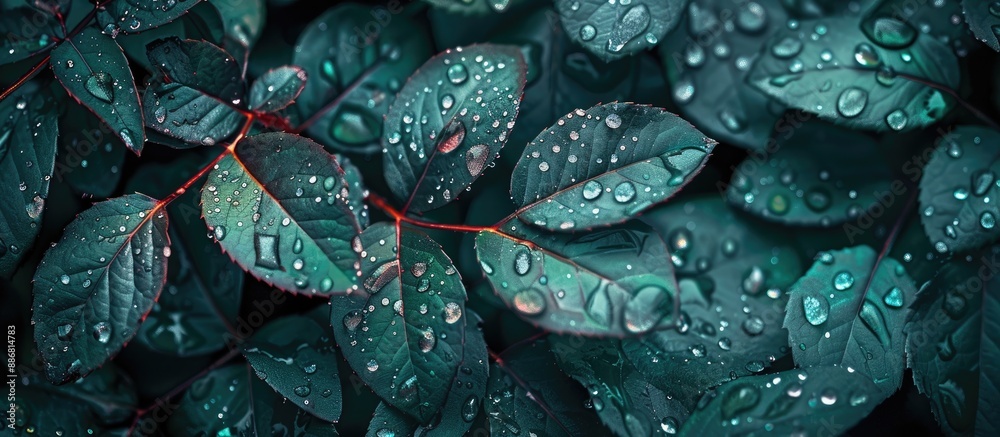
{"type": "Point", "coordinates": [231, 401]}
{"type": "Point", "coordinates": [611, 282]}
{"type": "Point", "coordinates": [296, 357]}
{"type": "Point", "coordinates": [983, 16]}
{"type": "Point", "coordinates": [180, 112]}
{"type": "Point", "coordinates": [292, 232]}
{"type": "Point", "coordinates": [197, 311]}
{"type": "Point", "coordinates": [26, 32]}
{"type": "Point", "coordinates": [849, 310]}
{"type": "Point", "coordinates": [200, 65]}
{"type": "Point", "coordinates": [91, 157]}
{"type": "Point", "coordinates": [956, 187]}
{"type": "Point", "coordinates": [93, 69]}
{"type": "Point", "coordinates": [937, 19]}
{"type": "Point", "coordinates": [243, 19]}
{"type": "Point", "coordinates": [615, 30]}
{"type": "Point", "coordinates": [103, 403]}
{"type": "Point", "coordinates": [867, 84]}
{"type": "Point", "coordinates": [952, 344]}
{"type": "Point", "coordinates": [823, 400]}
{"type": "Point", "coordinates": [816, 175]}
{"type": "Point", "coordinates": [605, 165]}
{"type": "Point", "coordinates": [529, 395]}
{"type": "Point", "coordinates": [401, 332]}
{"type": "Point", "coordinates": [357, 192]}
{"type": "Point", "coordinates": [277, 89]}
{"type": "Point", "coordinates": [197, 25]}
{"type": "Point", "coordinates": [732, 274]}
{"type": "Point", "coordinates": [625, 400]}
{"type": "Point", "coordinates": [473, 7]}
{"type": "Point", "coordinates": [27, 158]}
{"type": "Point", "coordinates": [365, 76]}
{"type": "Point", "coordinates": [450, 121]}
{"type": "Point", "coordinates": [388, 421]}
{"type": "Point", "coordinates": [133, 16]}
{"type": "Point", "coordinates": [94, 287]}
{"type": "Point", "coordinates": [710, 89]}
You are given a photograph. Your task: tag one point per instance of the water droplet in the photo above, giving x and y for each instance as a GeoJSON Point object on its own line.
{"type": "Point", "coordinates": [753, 281]}
{"type": "Point", "coordinates": [372, 365]}
{"type": "Point", "coordinates": [786, 48]}
{"type": "Point", "coordinates": [355, 126]}
{"type": "Point", "coordinates": [101, 86]}
{"type": "Point", "coordinates": [522, 262]}
{"type": "Point", "coordinates": [893, 298]}
{"type": "Point", "coordinates": [669, 425]}
{"type": "Point", "coordinates": [843, 280]}
{"type": "Point", "coordinates": [739, 399]}
{"type": "Point", "coordinates": [816, 309]}
{"type": "Point", "coordinates": [751, 18]}
{"type": "Point", "coordinates": [889, 32]}
{"type": "Point", "coordinates": [64, 279]}
{"type": "Point", "coordinates": [624, 192]}
{"type": "Point", "coordinates": [778, 204]}
{"type": "Point", "coordinates": [475, 159]}
{"type": "Point", "coordinates": [266, 248]}
{"type": "Point", "coordinates": [981, 182]}
{"type": "Point", "coordinates": [219, 232]}
{"type": "Point", "coordinates": [592, 190]}
{"type": "Point", "coordinates": [529, 301]}
{"type": "Point", "coordinates": [753, 326]}
{"type": "Point", "coordinates": [587, 32]}
{"type": "Point", "coordinates": [896, 120]}
{"type": "Point", "coordinates": [613, 121]}
{"type": "Point", "coordinates": [470, 408]}
{"type": "Point", "coordinates": [451, 136]}
{"type": "Point", "coordinates": [452, 312]}
{"type": "Point", "coordinates": [645, 309]}
{"type": "Point", "coordinates": [102, 332]}
{"type": "Point", "coordinates": [828, 397]}
{"type": "Point", "coordinates": [64, 331]}
{"type": "Point", "coordinates": [858, 399]}
{"type": "Point", "coordinates": [725, 343]}
{"type": "Point", "coordinates": [632, 24]}
{"type": "Point", "coordinates": [987, 220]}
{"type": "Point", "coordinates": [302, 390]}
{"type": "Point", "coordinates": [754, 366]}
{"type": "Point", "coordinates": [457, 74]}
{"type": "Point", "coordinates": [851, 102]}
{"type": "Point", "coordinates": [866, 56]}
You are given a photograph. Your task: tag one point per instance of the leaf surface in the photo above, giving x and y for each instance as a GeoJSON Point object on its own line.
{"type": "Point", "coordinates": [611, 282]}
{"type": "Point", "coordinates": [615, 30]}
{"type": "Point", "coordinates": [200, 65]}
{"type": "Point", "coordinates": [186, 114]}
{"type": "Point", "coordinates": [403, 332]}
{"type": "Point", "coordinates": [605, 165]}
{"type": "Point", "coordinates": [450, 121]}
{"type": "Point", "coordinates": [94, 287]}
{"type": "Point", "coordinates": [91, 156]}
{"type": "Point", "coordinates": [27, 31]}
{"type": "Point", "coordinates": [93, 69]}
{"type": "Point", "coordinates": [133, 16]}
{"type": "Point", "coordinates": [277, 205]}
{"type": "Point", "coordinates": [277, 89]}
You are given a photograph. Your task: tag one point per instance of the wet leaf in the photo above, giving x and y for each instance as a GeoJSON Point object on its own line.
{"type": "Point", "coordinates": [293, 232]}
{"type": "Point", "coordinates": [849, 310]}
{"type": "Point", "coordinates": [816, 175]}
{"type": "Point", "coordinates": [93, 69]}
{"type": "Point", "coordinates": [611, 282]}
{"type": "Point", "coordinates": [95, 405]}
{"type": "Point", "coordinates": [612, 30]}
{"type": "Point", "coordinates": [474, 7]}
{"type": "Point", "coordinates": [296, 357]}
{"type": "Point", "coordinates": [27, 158]}
{"type": "Point", "coordinates": [390, 421]}
{"type": "Point", "coordinates": [984, 20]}
{"type": "Point", "coordinates": [243, 19]}
{"type": "Point", "coordinates": [200, 65]}
{"type": "Point", "coordinates": [197, 313]}
{"type": "Point", "coordinates": [528, 394]}
{"type": "Point", "coordinates": [822, 400]}
{"type": "Point", "coordinates": [403, 332]}
{"type": "Point", "coordinates": [450, 121]}
{"type": "Point", "coordinates": [336, 59]}
{"type": "Point", "coordinates": [829, 67]}
{"type": "Point", "coordinates": [191, 116]}
{"type": "Point", "coordinates": [94, 287]}
{"type": "Point", "coordinates": [91, 156]}
{"type": "Point", "coordinates": [26, 32]}
{"type": "Point", "coordinates": [357, 191]}
{"type": "Point", "coordinates": [951, 344]}
{"type": "Point", "coordinates": [232, 401]}
{"type": "Point", "coordinates": [623, 398]}
{"type": "Point", "coordinates": [956, 188]}
{"type": "Point", "coordinates": [277, 89]}
{"type": "Point", "coordinates": [133, 16]}
{"type": "Point", "coordinates": [732, 275]}
{"type": "Point", "coordinates": [605, 165]}
{"type": "Point", "coordinates": [708, 60]}
{"type": "Point", "coordinates": [940, 19]}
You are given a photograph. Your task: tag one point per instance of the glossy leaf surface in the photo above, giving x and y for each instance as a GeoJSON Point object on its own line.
{"type": "Point", "coordinates": [200, 65]}
{"type": "Point", "coordinates": [277, 89]}
{"type": "Point", "coordinates": [133, 16]}
{"type": "Point", "coordinates": [191, 116]}
{"type": "Point", "coordinates": [614, 30]}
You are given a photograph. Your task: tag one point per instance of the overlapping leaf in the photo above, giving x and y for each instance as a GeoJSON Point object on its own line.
{"type": "Point", "coordinates": [92, 67]}
{"type": "Point", "coordinates": [817, 175]}
{"type": "Point", "coordinates": [277, 89]}
{"type": "Point", "coordinates": [389, 421]}
{"type": "Point", "coordinates": [278, 206]}
{"type": "Point", "coordinates": [403, 332]}
{"type": "Point", "coordinates": [611, 282]}
{"type": "Point", "coordinates": [956, 188]}
{"type": "Point", "coordinates": [952, 341]}
{"type": "Point", "coordinates": [983, 17]}
{"type": "Point", "coordinates": [450, 121]}
{"type": "Point", "coordinates": [624, 399]}
{"type": "Point", "coordinates": [732, 276]}
{"type": "Point", "coordinates": [829, 67]}
{"type": "Point", "coordinates": [243, 19]}
{"type": "Point", "coordinates": [357, 191]}
{"type": "Point", "coordinates": [474, 7]}
{"type": "Point", "coordinates": [133, 16]}
{"type": "Point", "coordinates": [184, 113]}
{"type": "Point", "coordinates": [605, 165]}
{"type": "Point", "coordinates": [849, 310]}
{"type": "Point", "coordinates": [21, 41]}
{"type": "Point", "coordinates": [528, 394]}
{"type": "Point", "coordinates": [822, 400]}
{"type": "Point", "coordinates": [200, 65]}
{"type": "Point", "coordinates": [94, 287]}
{"type": "Point", "coordinates": [707, 61]}
{"type": "Point", "coordinates": [363, 75]}
{"type": "Point", "coordinates": [27, 158]}
{"type": "Point", "coordinates": [296, 357]}
{"type": "Point", "coordinates": [232, 401]}
{"type": "Point", "coordinates": [612, 30]}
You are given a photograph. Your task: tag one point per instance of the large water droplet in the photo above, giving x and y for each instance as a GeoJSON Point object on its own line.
{"type": "Point", "coordinates": [457, 74]}
{"type": "Point", "coordinates": [987, 220]}
{"type": "Point", "coordinates": [645, 309]}
{"type": "Point", "coordinates": [893, 298]}
{"type": "Point", "coordinates": [866, 56]}
{"type": "Point", "coordinates": [266, 248]}
{"type": "Point", "coordinates": [101, 85]}
{"type": "Point", "coordinates": [786, 48]}
{"type": "Point", "coordinates": [64, 331]}
{"type": "Point", "coordinates": [587, 32]}
{"type": "Point", "coordinates": [739, 399]}
{"type": "Point", "coordinates": [452, 312]}
{"type": "Point", "coordinates": [522, 262]}
{"type": "Point", "coordinates": [816, 309]}
{"type": "Point", "coordinates": [451, 136]}
{"type": "Point", "coordinates": [851, 102]}
{"type": "Point", "coordinates": [889, 32]}
{"type": "Point", "coordinates": [896, 120]}
{"type": "Point", "coordinates": [475, 159]}
{"type": "Point", "coordinates": [355, 126]}
{"type": "Point", "coordinates": [981, 182]}
{"type": "Point", "coordinates": [470, 408]}
{"type": "Point", "coordinates": [843, 280]}
{"type": "Point", "coordinates": [751, 18]}
{"type": "Point", "coordinates": [427, 340]}
{"type": "Point", "coordinates": [632, 24]}
{"type": "Point", "coordinates": [624, 192]}
{"type": "Point", "coordinates": [102, 332]}
{"type": "Point", "coordinates": [592, 190]}
{"type": "Point", "coordinates": [529, 302]}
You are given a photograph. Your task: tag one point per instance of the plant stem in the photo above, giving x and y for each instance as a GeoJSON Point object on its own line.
{"type": "Point", "coordinates": [211, 165]}
{"type": "Point", "coordinates": [384, 205]}
{"type": "Point", "coordinates": [25, 78]}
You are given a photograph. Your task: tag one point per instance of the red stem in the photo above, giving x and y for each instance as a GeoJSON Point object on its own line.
{"type": "Point", "coordinates": [384, 205]}
{"type": "Point", "coordinates": [25, 78]}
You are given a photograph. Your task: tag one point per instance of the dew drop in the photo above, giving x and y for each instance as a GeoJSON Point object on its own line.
{"type": "Point", "coordinates": [592, 190]}
{"type": "Point", "coordinates": [452, 312]}
{"type": "Point", "coordinates": [529, 301]}
{"type": "Point", "coordinates": [101, 85]}
{"type": "Point", "coordinates": [851, 102]}
{"type": "Point", "coordinates": [102, 332]}
{"type": "Point", "coordinates": [457, 74]}
{"type": "Point", "coordinates": [816, 309]}
{"type": "Point", "coordinates": [843, 280]}
{"type": "Point", "coordinates": [893, 298]}
{"type": "Point", "coordinates": [624, 192]}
